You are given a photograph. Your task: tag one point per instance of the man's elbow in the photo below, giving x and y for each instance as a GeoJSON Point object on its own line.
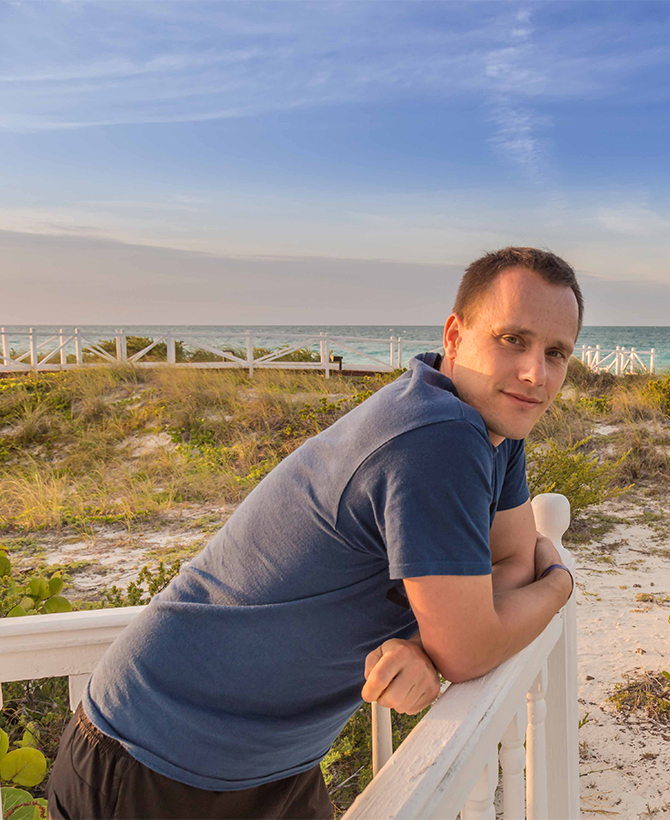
{"type": "Point", "coordinates": [459, 667]}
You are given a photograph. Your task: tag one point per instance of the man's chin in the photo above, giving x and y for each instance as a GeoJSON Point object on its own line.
{"type": "Point", "coordinates": [508, 429]}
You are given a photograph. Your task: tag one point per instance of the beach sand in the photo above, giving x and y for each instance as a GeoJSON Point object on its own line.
{"type": "Point", "coordinates": [622, 581]}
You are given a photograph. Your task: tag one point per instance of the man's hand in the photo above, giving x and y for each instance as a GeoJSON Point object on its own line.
{"type": "Point", "coordinates": [546, 554]}
{"type": "Point", "coordinates": [401, 676]}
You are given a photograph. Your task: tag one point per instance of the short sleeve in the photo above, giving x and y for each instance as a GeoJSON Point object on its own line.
{"type": "Point", "coordinates": [424, 498]}
{"type": "Point", "coordinates": [515, 485]}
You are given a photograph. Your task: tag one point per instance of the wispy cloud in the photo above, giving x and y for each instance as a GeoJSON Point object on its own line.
{"type": "Point", "coordinates": [632, 219]}
{"type": "Point", "coordinates": [77, 64]}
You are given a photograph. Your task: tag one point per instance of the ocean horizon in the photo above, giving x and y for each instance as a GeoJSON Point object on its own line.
{"type": "Point", "coordinates": [642, 337]}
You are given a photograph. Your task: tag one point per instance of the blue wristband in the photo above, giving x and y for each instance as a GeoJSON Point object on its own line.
{"type": "Point", "coordinates": [559, 566]}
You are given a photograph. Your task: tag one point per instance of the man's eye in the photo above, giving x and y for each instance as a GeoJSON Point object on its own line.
{"type": "Point", "coordinates": [513, 340]}
{"type": "Point", "coordinates": [556, 354]}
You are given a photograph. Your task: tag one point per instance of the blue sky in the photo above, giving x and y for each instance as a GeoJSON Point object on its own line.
{"type": "Point", "coordinates": [326, 162]}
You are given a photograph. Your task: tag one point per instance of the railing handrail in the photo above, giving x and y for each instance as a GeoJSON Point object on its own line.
{"type": "Point", "coordinates": [410, 785]}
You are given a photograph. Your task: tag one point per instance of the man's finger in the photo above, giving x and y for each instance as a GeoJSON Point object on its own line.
{"type": "Point", "coordinates": [381, 675]}
{"type": "Point", "coordinates": [371, 660]}
{"type": "Point", "coordinates": [399, 694]}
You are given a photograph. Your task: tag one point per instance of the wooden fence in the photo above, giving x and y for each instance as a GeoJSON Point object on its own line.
{"type": "Point", "coordinates": [64, 350]}
{"type": "Point", "coordinates": [449, 762]}
{"type": "Point", "coordinates": [618, 361]}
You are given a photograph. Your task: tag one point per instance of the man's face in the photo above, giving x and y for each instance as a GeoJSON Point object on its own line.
{"type": "Point", "coordinates": [511, 362]}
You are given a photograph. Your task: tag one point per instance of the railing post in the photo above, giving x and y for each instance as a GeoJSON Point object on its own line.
{"type": "Point", "coordinates": [322, 351]}
{"type": "Point", "coordinates": [552, 518]}
{"type": "Point", "coordinates": [392, 352]}
{"type": "Point", "coordinates": [617, 361]}
{"type": "Point", "coordinates": [250, 353]}
{"type": "Point", "coordinates": [583, 354]}
{"type": "Point", "coordinates": [382, 737]}
{"type": "Point", "coordinates": [597, 367]}
{"type": "Point", "coordinates": [513, 763]}
{"type": "Point", "coordinates": [479, 805]}
{"type": "Point", "coordinates": [652, 360]}
{"type": "Point", "coordinates": [171, 348]}
{"type": "Point", "coordinates": [326, 356]}
{"type": "Point", "coordinates": [76, 685]}
{"type": "Point", "coordinates": [5, 351]}
{"type": "Point", "coordinates": [77, 347]}
{"type": "Point", "coordinates": [63, 351]}
{"type": "Point", "coordinates": [536, 749]}
{"type": "Point", "coordinates": [33, 349]}
{"type": "Point", "coordinates": [399, 353]}
{"type": "Point", "coordinates": [121, 346]}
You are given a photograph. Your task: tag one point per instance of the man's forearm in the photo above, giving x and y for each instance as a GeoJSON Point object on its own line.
{"type": "Point", "coordinates": [513, 573]}
{"type": "Point", "coordinates": [477, 644]}
{"type": "Point", "coordinates": [525, 612]}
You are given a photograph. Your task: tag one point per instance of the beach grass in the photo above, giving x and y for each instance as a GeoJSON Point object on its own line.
{"type": "Point", "coordinates": [125, 443]}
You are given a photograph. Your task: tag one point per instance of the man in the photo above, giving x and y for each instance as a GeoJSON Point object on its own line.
{"type": "Point", "coordinates": [222, 697]}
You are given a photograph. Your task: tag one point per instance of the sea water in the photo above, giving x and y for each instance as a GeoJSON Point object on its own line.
{"type": "Point", "coordinates": [377, 344]}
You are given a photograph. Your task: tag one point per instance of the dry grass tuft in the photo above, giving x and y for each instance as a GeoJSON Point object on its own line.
{"type": "Point", "coordinates": [648, 693]}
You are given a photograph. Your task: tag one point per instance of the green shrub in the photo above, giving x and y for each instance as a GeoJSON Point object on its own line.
{"type": "Point", "coordinates": [572, 472]}
{"type": "Point", "coordinates": [33, 596]}
{"type": "Point", "coordinates": [136, 594]}
{"type": "Point", "coordinates": [659, 390]}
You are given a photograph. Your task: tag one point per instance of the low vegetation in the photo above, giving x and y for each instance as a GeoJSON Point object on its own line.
{"type": "Point", "coordinates": [647, 694]}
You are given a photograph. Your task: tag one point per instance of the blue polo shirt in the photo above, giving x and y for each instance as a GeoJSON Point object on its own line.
{"type": "Point", "coordinates": [245, 669]}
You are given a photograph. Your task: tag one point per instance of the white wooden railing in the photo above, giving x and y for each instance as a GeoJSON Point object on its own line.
{"type": "Point", "coordinates": [449, 762]}
{"type": "Point", "coordinates": [44, 351]}
{"type": "Point", "coordinates": [618, 361]}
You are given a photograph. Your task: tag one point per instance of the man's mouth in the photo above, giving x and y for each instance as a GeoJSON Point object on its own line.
{"type": "Point", "coordinates": [521, 400]}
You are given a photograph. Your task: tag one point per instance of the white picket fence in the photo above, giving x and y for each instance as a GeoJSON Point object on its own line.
{"type": "Point", "coordinates": [449, 762]}
{"type": "Point", "coordinates": [44, 352]}
{"type": "Point", "coordinates": [619, 361]}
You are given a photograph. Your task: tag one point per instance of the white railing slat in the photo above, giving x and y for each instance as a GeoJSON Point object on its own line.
{"type": "Point", "coordinates": [76, 685]}
{"type": "Point", "coordinates": [382, 737]}
{"type": "Point", "coordinates": [536, 749]}
{"type": "Point", "coordinates": [479, 805]}
{"type": "Point", "coordinates": [513, 763]}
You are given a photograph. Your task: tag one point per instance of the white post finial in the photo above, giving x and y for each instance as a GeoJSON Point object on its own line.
{"type": "Point", "coordinates": [552, 518]}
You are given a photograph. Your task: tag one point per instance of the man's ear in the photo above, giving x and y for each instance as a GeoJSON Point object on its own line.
{"type": "Point", "coordinates": [452, 335]}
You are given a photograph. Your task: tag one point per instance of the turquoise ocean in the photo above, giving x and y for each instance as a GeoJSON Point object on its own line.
{"type": "Point", "coordinates": [376, 336]}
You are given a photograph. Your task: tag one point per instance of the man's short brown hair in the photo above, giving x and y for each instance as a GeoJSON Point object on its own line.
{"type": "Point", "coordinates": [480, 275]}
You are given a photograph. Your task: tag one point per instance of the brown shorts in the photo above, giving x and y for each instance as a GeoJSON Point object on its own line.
{"type": "Point", "coordinates": [95, 778]}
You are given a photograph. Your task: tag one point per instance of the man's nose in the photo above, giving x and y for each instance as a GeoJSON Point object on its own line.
{"type": "Point", "coordinates": [534, 368]}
